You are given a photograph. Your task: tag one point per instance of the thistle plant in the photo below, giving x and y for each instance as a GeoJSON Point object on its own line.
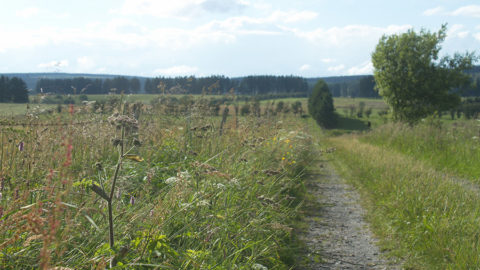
{"type": "Point", "coordinates": [128, 127]}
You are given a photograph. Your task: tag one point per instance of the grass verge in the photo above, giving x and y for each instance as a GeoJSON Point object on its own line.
{"type": "Point", "coordinates": [424, 217]}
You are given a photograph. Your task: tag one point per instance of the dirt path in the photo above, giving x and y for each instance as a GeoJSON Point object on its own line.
{"type": "Point", "coordinates": [338, 237]}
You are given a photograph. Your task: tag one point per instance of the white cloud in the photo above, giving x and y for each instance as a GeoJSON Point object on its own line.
{"type": "Point", "coordinates": [348, 35]}
{"type": "Point", "coordinates": [179, 9]}
{"type": "Point", "coordinates": [291, 16]}
{"type": "Point", "coordinates": [85, 63]}
{"type": "Point", "coordinates": [176, 70]}
{"type": "Point", "coordinates": [327, 60]}
{"type": "Point", "coordinates": [477, 36]}
{"type": "Point", "coordinates": [28, 12]}
{"type": "Point", "coordinates": [55, 64]}
{"type": "Point", "coordinates": [365, 68]}
{"type": "Point", "coordinates": [468, 11]}
{"type": "Point", "coordinates": [336, 68]}
{"type": "Point", "coordinates": [434, 11]}
{"type": "Point", "coordinates": [457, 31]}
{"type": "Point", "coordinates": [305, 67]}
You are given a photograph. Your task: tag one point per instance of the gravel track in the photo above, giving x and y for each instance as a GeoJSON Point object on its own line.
{"type": "Point", "coordinates": [338, 237]}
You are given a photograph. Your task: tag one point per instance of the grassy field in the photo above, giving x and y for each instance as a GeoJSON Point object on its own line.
{"type": "Point", "coordinates": [12, 109]}
{"type": "Point", "coordinates": [420, 186]}
{"type": "Point", "coordinates": [180, 191]}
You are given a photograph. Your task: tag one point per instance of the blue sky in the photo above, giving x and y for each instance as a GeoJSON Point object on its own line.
{"type": "Point", "coordinates": [228, 37]}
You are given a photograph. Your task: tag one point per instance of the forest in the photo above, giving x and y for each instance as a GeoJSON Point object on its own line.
{"type": "Point", "coordinates": [13, 90]}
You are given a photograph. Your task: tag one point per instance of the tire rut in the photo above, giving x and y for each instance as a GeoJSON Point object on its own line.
{"type": "Point", "coordinates": [338, 236]}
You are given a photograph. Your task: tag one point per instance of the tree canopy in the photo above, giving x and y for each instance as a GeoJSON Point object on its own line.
{"type": "Point", "coordinates": [412, 78]}
{"type": "Point", "coordinates": [13, 90]}
{"type": "Point", "coordinates": [320, 105]}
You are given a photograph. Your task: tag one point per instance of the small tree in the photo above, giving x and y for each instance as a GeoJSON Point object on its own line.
{"type": "Point", "coordinates": [320, 105]}
{"type": "Point", "coordinates": [413, 80]}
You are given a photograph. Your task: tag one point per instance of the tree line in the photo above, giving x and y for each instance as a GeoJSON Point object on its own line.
{"type": "Point", "coordinates": [250, 85]}
{"type": "Point", "coordinates": [82, 85]}
{"type": "Point", "coordinates": [284, 86]}
{"type": "Point", "coordinates": [13, 90]}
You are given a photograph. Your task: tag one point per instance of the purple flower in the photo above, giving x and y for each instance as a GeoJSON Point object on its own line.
{"type": "Point", "coordinates": [132, 200]}
{"type": "Point", "coordinates": [20, 146]}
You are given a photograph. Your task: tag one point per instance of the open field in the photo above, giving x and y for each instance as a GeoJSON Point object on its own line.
{"type": "Point", "coordinates": [12, 109]}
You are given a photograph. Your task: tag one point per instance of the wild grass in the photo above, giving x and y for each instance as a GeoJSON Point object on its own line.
{"type": "Point", "coordinates": [200, 199]}
{"type": "Point", "coordinates": [425, 217]}
{"type": "Point", "coordinates": [451, 148]}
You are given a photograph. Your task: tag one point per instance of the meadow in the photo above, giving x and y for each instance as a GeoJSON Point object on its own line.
{"type": "Point", "coordinates": [202, 182]}
{"type": "Point", "coordinates": [151, 186]}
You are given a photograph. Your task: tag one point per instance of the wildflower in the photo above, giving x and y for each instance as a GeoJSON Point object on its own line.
{"type": "Point", "coordinates": [132, 200]}
{"type": "Point", "coordinates": [151, 213]}
{"type": "Point", "coordinates": [234, 181]}
{"type": "Point", "coordinates": [283, 158]}
{"type": "Point", "coordinates": [172, 180]}
{"type": "Point", "coordinates": [203, 203]}
{"type": "Point", "coordinates": [0, 196]}
{"type": "Point", "coordinates": [287, 141]}
{"type": "Point", "coordinates": [20, 146]}
{"type": "Point", "coordinates": [185, 205]}
{"type": "Point", "coordinates": [184, 175]}
{"type": "Point", "coordinates": [258, 266]}
{"type": "Point", "coordinates": [220, 186]}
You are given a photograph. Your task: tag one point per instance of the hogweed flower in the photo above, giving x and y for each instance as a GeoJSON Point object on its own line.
{"type": "Point", "coordinates": [123, 120]}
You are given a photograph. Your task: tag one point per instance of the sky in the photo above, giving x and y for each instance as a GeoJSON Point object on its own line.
{"type": "Point", "coordinates": [309, 38]}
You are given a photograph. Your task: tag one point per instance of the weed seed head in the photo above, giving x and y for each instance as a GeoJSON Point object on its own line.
{"type": "Point", "coordinates": [116, 141]}
{"type": "Point", "coordinates": [137, 143]}
{"type": "Point", "coordinates": [99, 166]}
{"type": "Point", "coordinates": [123, 120]}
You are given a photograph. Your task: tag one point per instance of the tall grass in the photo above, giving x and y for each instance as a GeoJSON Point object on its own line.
{"type": "Point", "coordinates": [423, 216]}
{"type": "Point", "coordinates": [454, 148]}
{"type": "Point", "coordinates": [200, 199]}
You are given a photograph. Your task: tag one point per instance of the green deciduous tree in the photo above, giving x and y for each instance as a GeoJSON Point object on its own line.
{"type": "Point", "coordinates": [413, 79]}
{"type": "Point", "coordinates": [320, 105]}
